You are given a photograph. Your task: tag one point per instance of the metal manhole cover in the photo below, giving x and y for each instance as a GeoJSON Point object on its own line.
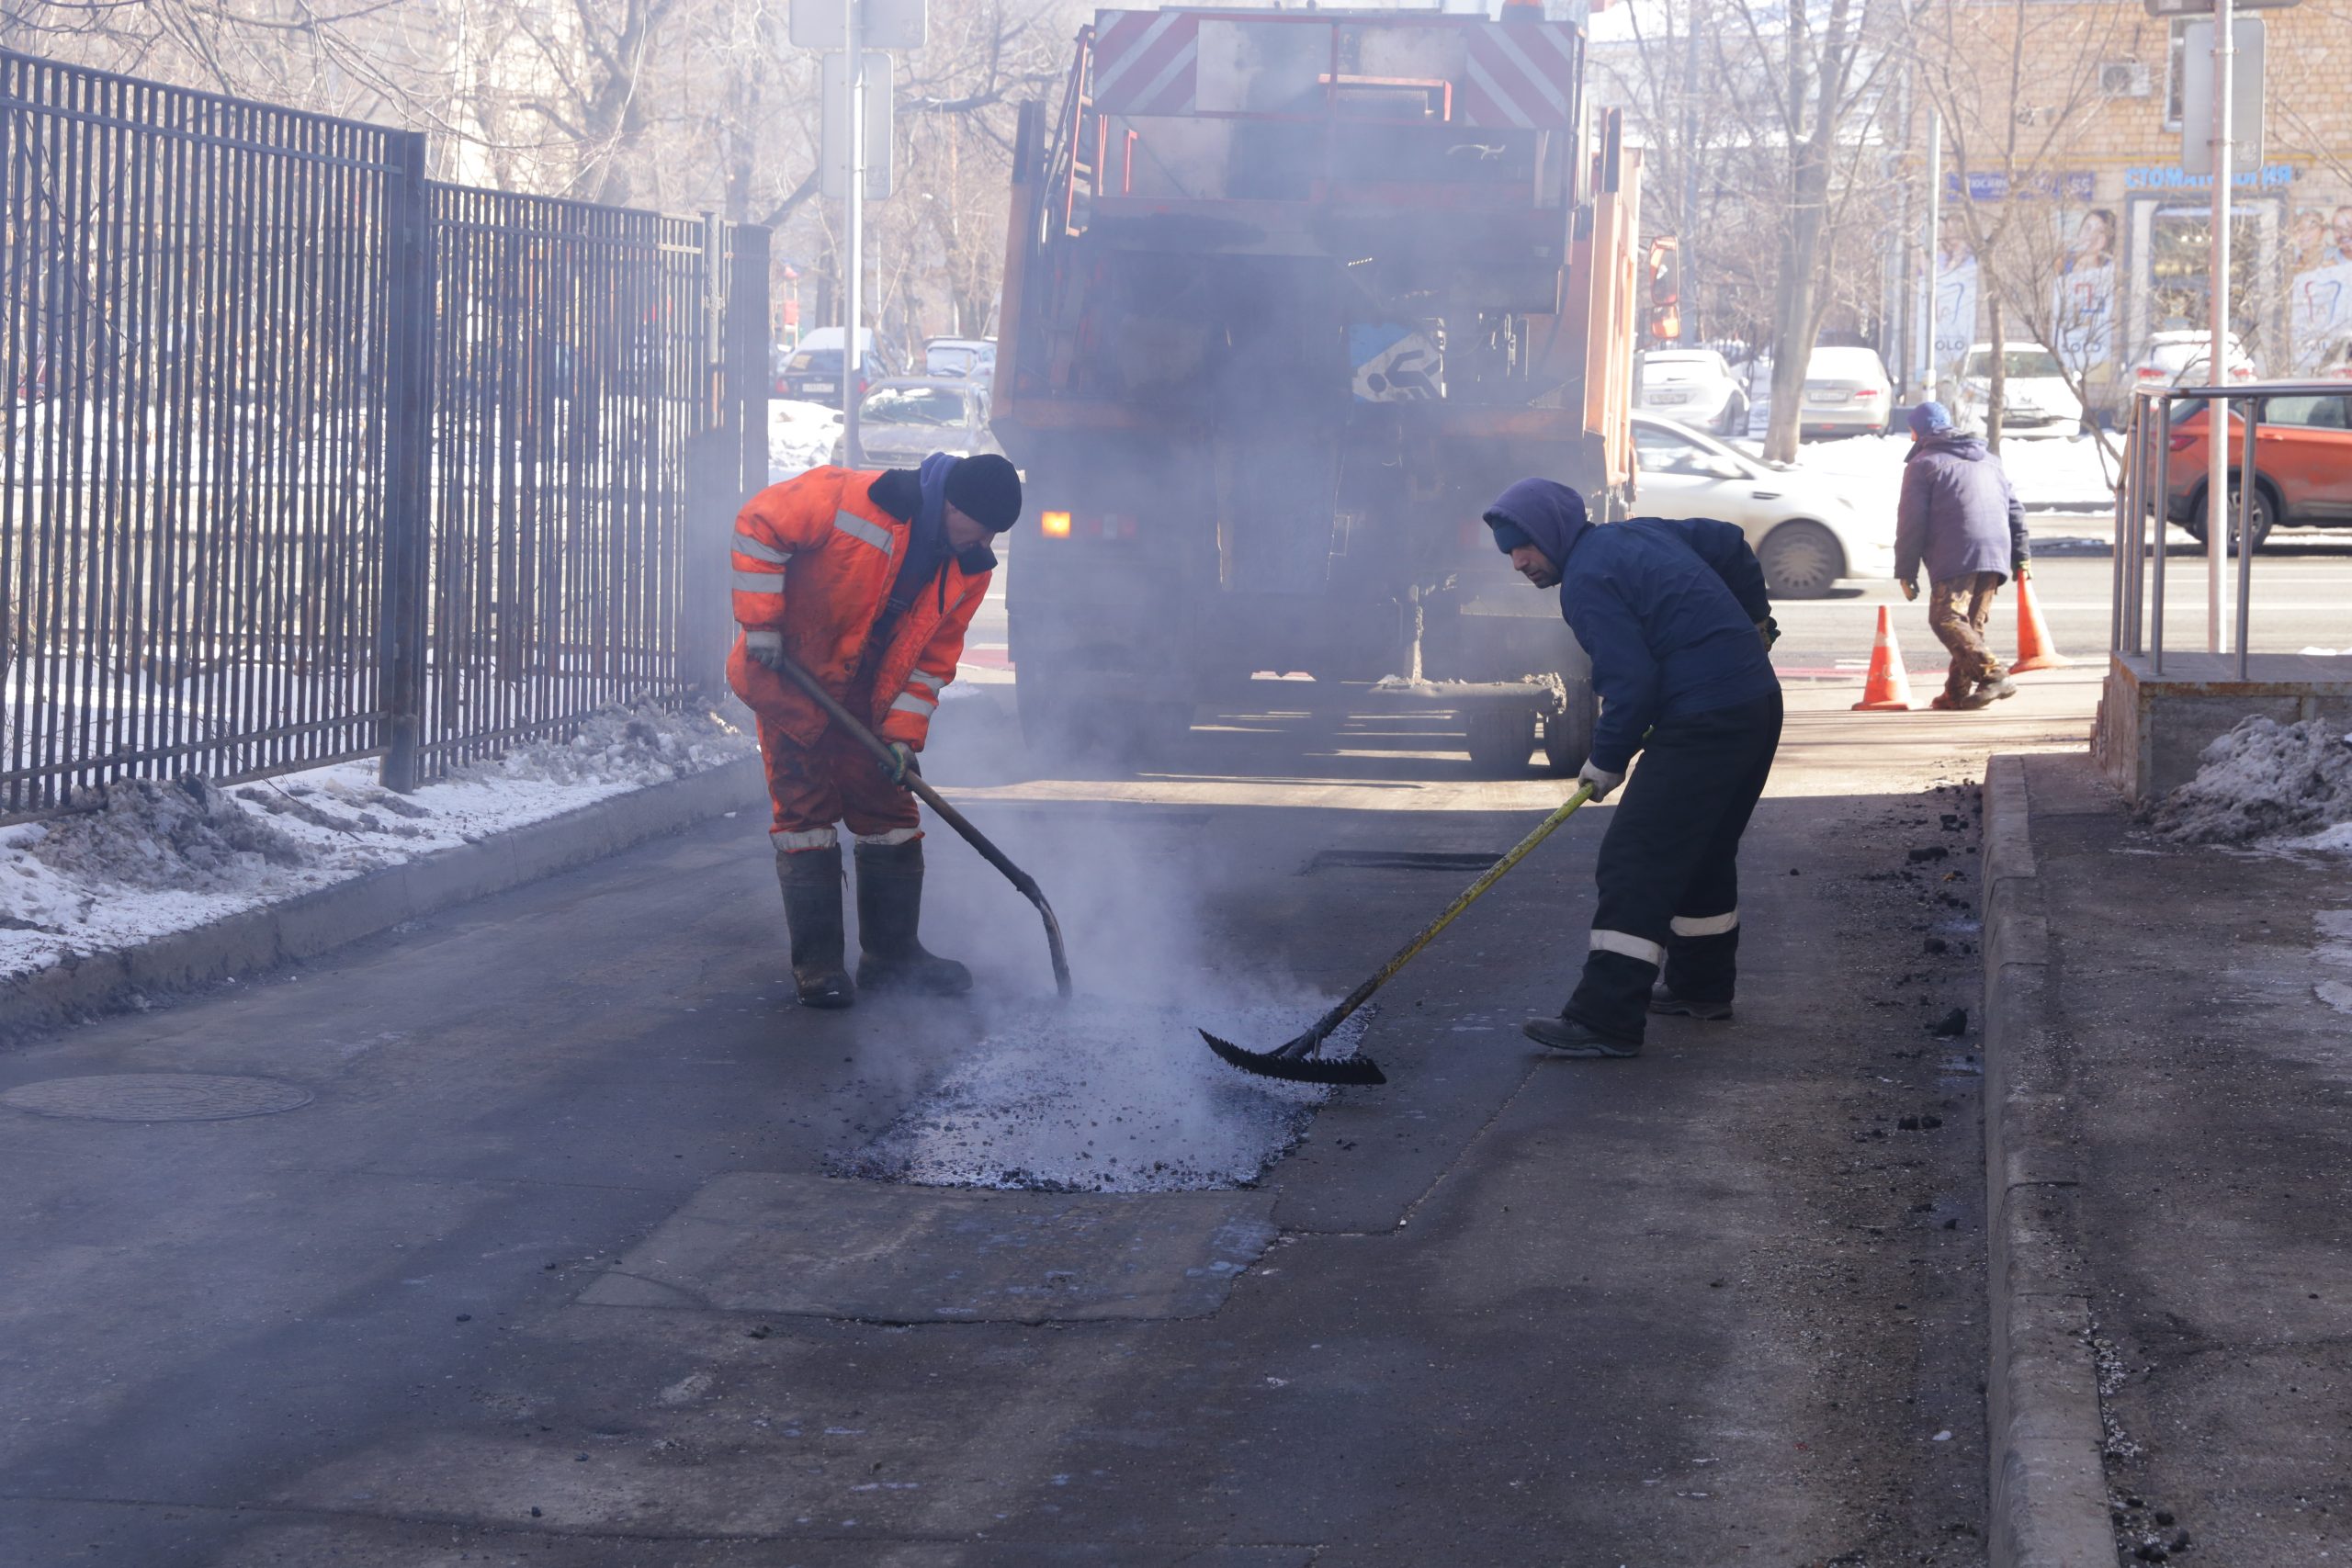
{"type": "Point", "coordinates": [157, 1097]}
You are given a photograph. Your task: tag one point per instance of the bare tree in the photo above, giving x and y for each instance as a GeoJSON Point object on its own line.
{"type": "Point", "coordinates": [2015, 82]}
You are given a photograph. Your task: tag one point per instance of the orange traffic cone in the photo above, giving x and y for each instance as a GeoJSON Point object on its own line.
{"type": "Point", "coordinates": [2035, 650]}
{"type": "Point", "coordinates": [1888, 688]}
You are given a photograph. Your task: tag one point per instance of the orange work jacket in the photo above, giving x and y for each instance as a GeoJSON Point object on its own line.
{"type": "Point", "coordinates": [814, 558]}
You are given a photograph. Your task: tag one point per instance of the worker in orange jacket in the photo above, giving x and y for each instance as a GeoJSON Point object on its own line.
{"type": "Point", "coordinates": [868, 581]}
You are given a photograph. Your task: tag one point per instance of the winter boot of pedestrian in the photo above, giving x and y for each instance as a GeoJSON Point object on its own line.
{"type": "Point", "coordinates": [812, 910]}
{"type": "Point", "coordinates": [889, 907]}
{"type": "Point", "coordinates": [1999, 686]}
{"type": "Point", "coordinates": [1666, 1004]}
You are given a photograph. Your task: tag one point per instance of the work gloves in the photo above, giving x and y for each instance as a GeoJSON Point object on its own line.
{"type": "Point", "coordinates": [766, 648]}
{"type": "Point", "coordinates": [1601, 780]}
{"type": "Point", "coordinates": [1910, 588]}
{"type": "Point", "coordinates": [901, 762]}
{"type": "Point", "coordinates": [1769, 630]}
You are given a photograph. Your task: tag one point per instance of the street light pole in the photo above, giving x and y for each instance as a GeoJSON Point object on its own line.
{"type": "Point", "coordinates": [852, 223]}
{"type": "Point", "coordinates": [2217, 411]}
{"type": "Point", "coordinates": [1927, 271]}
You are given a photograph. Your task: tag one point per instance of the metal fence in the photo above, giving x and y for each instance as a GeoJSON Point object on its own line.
{"type": "Point", "coordinates": [2160, 487]}
{"type": "Point", "coordinates": [303, 458]}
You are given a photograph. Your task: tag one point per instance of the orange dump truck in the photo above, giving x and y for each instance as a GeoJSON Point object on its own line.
{"type": "Point", "coordinates": [1289, 296]}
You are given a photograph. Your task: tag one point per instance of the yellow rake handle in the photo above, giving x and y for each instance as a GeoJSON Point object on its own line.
{"type": "Point", "coordinates": [1470, 895]}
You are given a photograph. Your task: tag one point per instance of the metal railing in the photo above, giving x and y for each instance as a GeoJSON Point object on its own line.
{"type": "Point", "coordinates": [304, 458]}
{"type": "Point", "coordinates": [2145, 496]}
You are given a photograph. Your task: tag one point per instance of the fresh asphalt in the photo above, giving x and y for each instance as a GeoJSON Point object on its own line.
{"type": "Point", "coordinates": [1722, 1303]}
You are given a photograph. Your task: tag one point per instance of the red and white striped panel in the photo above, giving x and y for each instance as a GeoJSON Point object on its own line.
{"type": "Point", "coordinates": [1146, 62]}
{"type": "Point", "coordinates": [1520, 74]}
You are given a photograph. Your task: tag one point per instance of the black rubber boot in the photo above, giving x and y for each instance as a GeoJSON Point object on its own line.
{"type": "Point", "coordinates": [889, 907]}
{"type": "Point", "coordinates": [812, 909]}
{"type": "Point", "coordinates": [1666, 1004]}
{"type": "Point", "coordinates": [1570, 1037]}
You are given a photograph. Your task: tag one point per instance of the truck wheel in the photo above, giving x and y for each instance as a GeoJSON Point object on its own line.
{"type": "Point", "coordinates": [1501, 736]}
{"type": "Point", "coordinates": [1567, 735]}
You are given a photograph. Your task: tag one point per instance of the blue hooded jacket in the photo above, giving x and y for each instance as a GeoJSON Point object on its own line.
{"type": "Point", "coordinates": [1666, 607]}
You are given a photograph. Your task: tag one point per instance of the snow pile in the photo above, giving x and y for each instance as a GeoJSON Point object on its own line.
{"type": "Point", "coordinates": [136, 859]}
{"type": "Point", "coordinates": [2264, 780]}
{"type": "Point", "coordinates": [145, 834]}
{"type": "Point", "coordinates": [800, 438]}
{"type": "Point", "coordinates": [1095, 1096]}
{"type": "Point", "coordinates": [631, 747]}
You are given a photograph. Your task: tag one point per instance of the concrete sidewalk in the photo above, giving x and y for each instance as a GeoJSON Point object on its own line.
{"type": "Point", "coordinates": [2169, 1133]}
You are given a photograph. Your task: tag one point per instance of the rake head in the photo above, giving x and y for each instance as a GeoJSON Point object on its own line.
{"type": "Point", "coordinates": [1295, 1063]}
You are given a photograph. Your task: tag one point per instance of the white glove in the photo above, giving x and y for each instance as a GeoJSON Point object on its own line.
{"type": "Point", "coordinates": [1601, 780]}
{"type": "Point", "coordinates": [765, 647]}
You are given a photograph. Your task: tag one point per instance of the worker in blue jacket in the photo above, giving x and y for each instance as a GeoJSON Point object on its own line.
{"type": "Point", "coordinates": [1674, 616]}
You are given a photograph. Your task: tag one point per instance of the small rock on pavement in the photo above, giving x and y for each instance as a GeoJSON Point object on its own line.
{"type": "Point", "coordinates": [1952, 1026]}
{"type": "Point", "coordinates": [1931, 851]}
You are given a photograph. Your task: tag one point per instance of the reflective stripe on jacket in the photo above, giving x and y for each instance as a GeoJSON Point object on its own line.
{"type": "Point", "coordinates": [814, 558]}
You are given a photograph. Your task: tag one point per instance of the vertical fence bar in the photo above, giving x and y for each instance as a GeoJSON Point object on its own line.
{"type": "Point", "coordinates": [2160, 466]}
{"type": "Point", "coordinates": [408, 352]}
{"type": "Point", "coordinates": [2246, 492]}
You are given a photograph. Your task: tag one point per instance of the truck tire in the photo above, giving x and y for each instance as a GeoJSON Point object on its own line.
{"type": "Point", "coordinates": [1567, 735]}
{"type": "Point", "coordinates": [1501, 736]}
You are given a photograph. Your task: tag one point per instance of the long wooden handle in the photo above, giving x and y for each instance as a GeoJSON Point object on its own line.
{"type": "Point", "coordinates": [1028, 885]}
{"type": "Point", "coordinates": [1492, 874]}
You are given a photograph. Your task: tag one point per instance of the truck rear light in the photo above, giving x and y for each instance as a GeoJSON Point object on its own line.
{"type": "Point", "coordinates": [1871, 392]}
{"type": "Point", "coordinates": [2150, 373]}
{"type": "Point", "coordinates": [1054, 524]}
{"type": "Point", "coordinates": [2183, 443]}
{"type": "Point", "coordinates": [1089, 527]}
{"type": "Point", "coordinates": [2241, 373]}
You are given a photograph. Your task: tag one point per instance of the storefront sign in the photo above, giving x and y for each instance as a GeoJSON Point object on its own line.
{"type": "Point", "coordinates": [2072, 184]}
{"type": "Point", "coordinates": [2172, 176]}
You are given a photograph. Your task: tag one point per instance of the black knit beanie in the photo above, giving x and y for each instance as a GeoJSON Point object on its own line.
{"type": "Point", "coordinates": [1509, 536]}
{"type": "Point", "coordinates": [986, 489]}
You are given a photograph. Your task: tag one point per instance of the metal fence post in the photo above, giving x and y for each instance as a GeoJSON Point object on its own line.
{"type": "Point", "coordinates": [408, 427]}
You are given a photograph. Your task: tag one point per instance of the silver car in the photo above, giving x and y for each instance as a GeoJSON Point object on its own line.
{"type": "Point", "coordinates": [1847, 393]}
{"type": "Point", "coordinates": [902, 423]}
{"type": "Point", "coordinates": [1695, 387]}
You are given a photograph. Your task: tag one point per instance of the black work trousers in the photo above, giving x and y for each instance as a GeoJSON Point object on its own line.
{"type": "Point", "coordinates": [1669, 867]}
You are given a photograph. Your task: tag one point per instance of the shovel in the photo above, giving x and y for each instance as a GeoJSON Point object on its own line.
{"type": "Point", "coordinates": [914, 780]}
{"type": "Point", "coordinates": [1296, 1059]}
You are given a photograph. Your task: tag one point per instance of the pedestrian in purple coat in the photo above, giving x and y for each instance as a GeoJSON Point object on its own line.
{"type": "Point", "coordinates": [1960, 517]}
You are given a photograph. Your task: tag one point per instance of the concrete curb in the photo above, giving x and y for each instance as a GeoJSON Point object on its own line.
{"type": "Point", "coordinates": [2045, 1442]}
{"type": "Point", "coordinates": [312, 923]}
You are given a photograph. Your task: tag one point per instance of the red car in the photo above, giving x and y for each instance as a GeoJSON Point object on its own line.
{"type": "Point", "coordinates": [2302, 465]}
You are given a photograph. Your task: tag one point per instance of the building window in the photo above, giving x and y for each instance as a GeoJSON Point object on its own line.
{"type": "Point", "coordinates": [2174, 51]}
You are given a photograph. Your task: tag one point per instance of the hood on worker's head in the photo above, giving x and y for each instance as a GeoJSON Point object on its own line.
{"type": "Point", "coordinates": [1543, 513]}
{"type": "Point", "coordinates": [1955, 443]}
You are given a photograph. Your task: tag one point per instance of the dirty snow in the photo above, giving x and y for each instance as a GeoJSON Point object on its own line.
{"type": "Point", "coordinates": [800, 436]}
{"type": "Point", "coordinates": [1097, 1095]}
{"type": "Point", "coordinates": [2288, 785]}
{"type": "Point", "coordinates": [141, 858]}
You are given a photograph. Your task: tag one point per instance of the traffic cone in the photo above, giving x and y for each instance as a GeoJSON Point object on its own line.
{"type": "Point", "coordinates": [1888, 688]}
{"type": "Point", "coordinates": [2035, 650]}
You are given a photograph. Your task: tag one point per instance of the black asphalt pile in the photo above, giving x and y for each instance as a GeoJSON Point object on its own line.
{"type": "Point", "coordinates": [1096, 1096]}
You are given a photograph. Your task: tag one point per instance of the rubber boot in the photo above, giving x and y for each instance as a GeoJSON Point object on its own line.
{"type": "Point", "coordinates": [812, 910]}
{"type": "Point", "coordinates": [889, 905]}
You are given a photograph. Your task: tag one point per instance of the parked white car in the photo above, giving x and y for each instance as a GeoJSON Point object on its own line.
{"type": "Point", "coordinates": [1695, 387]}
{"type": "Point", "coordinates": [1847, 393]}
{"type": "Point", "coordinates": [969, 356]}
{"type": "Point", "coordinates": [1806, 531]}
{"type": "Point", "coordinates": [2179, 359]}
{"type": "Point", "coordinates": [2035, 399]}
